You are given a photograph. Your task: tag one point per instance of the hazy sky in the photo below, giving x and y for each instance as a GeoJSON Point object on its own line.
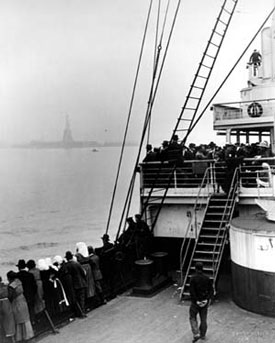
{"type": "Point", "coordinates": [79, 57]}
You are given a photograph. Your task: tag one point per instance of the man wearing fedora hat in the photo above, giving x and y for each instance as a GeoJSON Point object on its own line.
{"type": "Point", "coordinates": [29, 285]}
{"type": "Point", "coordinates": [175, 150]}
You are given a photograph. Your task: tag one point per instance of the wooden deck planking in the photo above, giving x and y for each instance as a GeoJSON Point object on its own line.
{"type": "Point", "coordinates": [161, 319]}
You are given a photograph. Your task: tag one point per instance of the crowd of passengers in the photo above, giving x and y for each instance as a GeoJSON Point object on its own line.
{"type": "Point", "coordinates": [175, 151]}
{"type": "Point", "coordinates": [74, 283]}
{"type": "Point", "coordinates": [50, 286]}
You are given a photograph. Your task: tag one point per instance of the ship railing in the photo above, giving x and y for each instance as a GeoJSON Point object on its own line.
{"type": "Point", "coordinates": [225, 220]}
{"type": "Point", "coordinates": [223, 112]}
{"type": "Point", "coordinates": [265, 179]}
{"type": "Point", "coordinates": [188, 174]}
{"type": "Point", "coordinates": [242, 110]}
{"type": "Point", "coordinates": [255, 173]}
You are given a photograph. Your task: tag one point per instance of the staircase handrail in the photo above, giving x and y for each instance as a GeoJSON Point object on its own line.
{"type": "Point", "coordinates": [182, 263]}
{"type": "Point", "coordinates": [226, 218]}
{"type": "Point", "coordinates": [173, 164]}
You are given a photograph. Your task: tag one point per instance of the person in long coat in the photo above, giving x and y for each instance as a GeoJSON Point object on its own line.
{"type": "Point", "coordinates": [201, 291]}
{"type": "Point", "coordinates": [29, 286]}
{"type": "Point", "coordinates": [66, 280]}
{"type": "Point", "coordinates": [78, 279]}
{"type": "Point", "coordinates": [82, 256]}
{"type": "Point", "coordinates": [143, 238]}
{"type": "Point", "coordinates": [95, 266]}
{"type": "Point", "coordinates": [52, 287]}
{"type": "Point", "coordinates": [39, 303]}
{"type": "Point", "coordinates": [7, 324]}
{"type": "Point", "coordinates": [24, 330]}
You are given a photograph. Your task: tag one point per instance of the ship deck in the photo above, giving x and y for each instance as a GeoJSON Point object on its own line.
{"type": "Point", "coordinates": [161, 319]}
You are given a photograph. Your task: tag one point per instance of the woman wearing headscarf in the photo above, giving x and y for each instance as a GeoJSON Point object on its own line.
{"type": "Point", "coordinates": [82, 256]}
{"type": "Point", "coordinates": [19, 306]}
{"type": "Point", "coordinates": [52, 286]}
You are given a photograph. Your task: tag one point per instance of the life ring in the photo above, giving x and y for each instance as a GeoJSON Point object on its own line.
{"type": "Point", "coordinates": [255, 110]}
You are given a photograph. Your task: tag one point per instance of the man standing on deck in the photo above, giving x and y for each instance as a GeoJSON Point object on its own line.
{"type": "Point", "coordinates": [143, 238]}
{"type": "Point", "coordinates": [201, 290]}
{"type": "Point", "coordinates": [255, 58]}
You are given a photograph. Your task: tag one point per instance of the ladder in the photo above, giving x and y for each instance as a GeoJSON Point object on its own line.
{"type": "Point", "coordinates": [155, 196]}
{"type": "Point", "coordinates": [189, 112]}
{"type": "Point", "coordinates": [212, 237]}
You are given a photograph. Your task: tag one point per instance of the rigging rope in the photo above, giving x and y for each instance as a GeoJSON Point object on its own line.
{"type": "Point", "coordinates": [154, 60]}
{"type": "Point", "coordinates": [153, 92]}
{"type": "Point", "coordinates": [129, 115]}
{"type": "Point", "coordinates": [230, 72]}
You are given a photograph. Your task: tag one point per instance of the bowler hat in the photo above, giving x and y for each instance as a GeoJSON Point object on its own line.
{"type": "Point", "coordinates": [105, 236]}
{"type": "Point", "coordinates": [21, 264]}
{"type": "Point", "coordinates": [68, 255]}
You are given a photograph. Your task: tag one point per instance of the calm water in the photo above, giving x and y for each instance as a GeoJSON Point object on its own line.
{"type": "Point", "coordinates": [51, 199]}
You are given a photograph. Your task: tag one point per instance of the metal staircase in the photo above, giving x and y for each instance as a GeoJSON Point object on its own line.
{"type": "Point", "coordinates": [212, 237]}
{"type": "Point", "coordinates": [156, 196]}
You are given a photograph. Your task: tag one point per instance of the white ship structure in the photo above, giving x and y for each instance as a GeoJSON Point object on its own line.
{"type": "Point", "coordinates": [222, 213]}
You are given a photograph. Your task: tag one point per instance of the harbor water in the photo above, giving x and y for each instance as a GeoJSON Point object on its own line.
{"type": "Point", "coordinates": [52, 198]}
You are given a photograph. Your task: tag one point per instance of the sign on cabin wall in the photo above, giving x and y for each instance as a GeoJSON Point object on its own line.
{"type": "Point", "coordinates": [253, 250]}
{"type": "Point", "coordinates": [177, 220]}
{"type": "Point", "coordinates": [265, 252]}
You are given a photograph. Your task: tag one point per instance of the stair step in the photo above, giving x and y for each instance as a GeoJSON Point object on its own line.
{"type": "Point", "coordinates": [209, 218]}
{"type": "Point", "coordinates": [209, 228]}
{"type": "Point", "coordinates": [205, 260]}
{"type": "Point", "coordinates": [209, 236]}
{"type": "Point", "coordinates": [216, 213]}
{"type": "Point", "coordinates": [209, 275]}
{"type": "Point", "coordinates": [205, 269]}
{"type": "Point", "coordinates": [208, 244]}
{"type": "Point", "coordinates": [206, 252]}
{"type": "Point", "coordinates": [206, 249]}
{"type": "Point", "coordinates": [220, 201]}
{"type": "Point", "coordinates": [215, 221]}
{"type": "Point", "coordinates": [214, 226]}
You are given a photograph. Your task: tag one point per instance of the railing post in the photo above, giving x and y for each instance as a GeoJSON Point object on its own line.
{"type": "Point", "coordinates": [212, 176]}
{"type": "Point", "coordinates": [175, 178]}
{"type": "Point", "coordinates": [141, 176]}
